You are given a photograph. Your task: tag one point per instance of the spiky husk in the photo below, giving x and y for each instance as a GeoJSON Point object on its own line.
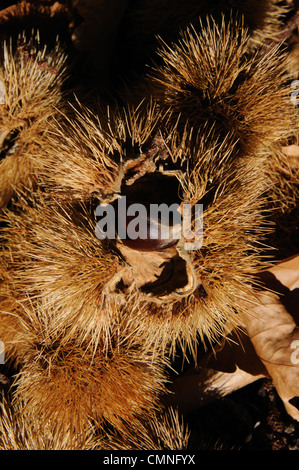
{"type": "Point", "coordinates": [223, 152]}
{"type": "Point", "coordinates": [69, 268]}
{"type": "Point", "coordinates": [211, 80]}
{"type": "Point", "coordinates": [57, 257]}
{"type": "Point", "coordinates": [21, 430]}
{"type": "Point", "coordinates": [82, 157]}
{"type": "Point", "coordinates": [69, 384]}
{"type": "Point", "coordinates": [31, 77]}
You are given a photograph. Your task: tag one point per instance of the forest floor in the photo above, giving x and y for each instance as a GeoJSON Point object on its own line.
{"type": "Point", "coordinates": [252, 418]}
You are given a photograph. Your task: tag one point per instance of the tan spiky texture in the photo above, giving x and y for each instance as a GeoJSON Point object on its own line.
{"type": "Point", "coordinates": [283, 170]}
{"type": "Point", "coordinates": [31, 77]}
{"type": "Point", "coordinates": [81, 354]}
{"type": "Point", "coordinates": [21, 430]}
{"type": "Point", "coordinates": [210, 79]}
{"type": "Point", "coordinates": [93, 361]}
{"type": "Point", "coordinates": [165, 431]}
{"type": "Point", "coordinates": [219, 135]}
{"type": "Point", "coordinates": [83, 157]}
{"type": "Point", "coordinates": [230, 255]}
{"type": "Point", "coordinates": [53, 254]}
{"type": "Point", "coordinates": [68, 383]}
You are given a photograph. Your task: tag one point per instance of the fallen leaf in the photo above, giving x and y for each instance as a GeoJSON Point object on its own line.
{"type": "Point", "coordinates": [271, 322]}
{"type": "Point", "coordinates": [230, 367]}
{"type": "Point", "coordinates": [268, 348]}
{"type": "Point", "coordinates": [292, 152]}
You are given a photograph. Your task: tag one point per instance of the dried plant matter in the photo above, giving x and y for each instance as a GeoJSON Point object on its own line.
{"type": "Point", "coordinates": [272, 325]}
{"type": "Point", "coordinates": [56, 256]}
{"type": "Point", "coordinates": [208, 79]}
{"type": "Point", "coordinates": [268, 349]}
{"type": "Point", "coordinates": [93, 325]}
{"type": "Point", "coordinates": [60, 244]}
{"type": "Point", "coordinates": [31, 79]}
{"type": "Point", "coordinates": [21, 431]}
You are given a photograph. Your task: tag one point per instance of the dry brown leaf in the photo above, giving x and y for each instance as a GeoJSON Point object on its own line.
{"type": "Point", "coordinates": [233, 366]}
{"type": "Point", "coordinates": [292, 152]}
{"type": "Point", "coordinates": [271, 348]}
{"type": "Point", "coordinates": [272, 325]}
